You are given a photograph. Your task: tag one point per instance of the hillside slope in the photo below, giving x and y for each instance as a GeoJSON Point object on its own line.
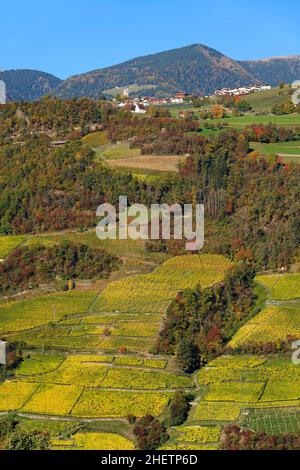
{"type": "Point", "coordinates": [273, 71]}
{"type": "Point", "coordinates": [28, 85]}
{"type": "Point", "coordinates": [196, 69]}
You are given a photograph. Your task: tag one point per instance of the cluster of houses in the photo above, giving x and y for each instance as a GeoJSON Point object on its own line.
{"type": "Point", "coordinates": [242, 90]}
{"type": "Point", "coordinates": [140, 105]}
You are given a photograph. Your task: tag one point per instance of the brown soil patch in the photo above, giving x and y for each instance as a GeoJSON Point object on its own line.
{"type": "Point", "coordinates": [149, 162]}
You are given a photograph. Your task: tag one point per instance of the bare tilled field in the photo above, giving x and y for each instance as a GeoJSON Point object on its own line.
{"type": "Point", "coordinates": [149, 162]}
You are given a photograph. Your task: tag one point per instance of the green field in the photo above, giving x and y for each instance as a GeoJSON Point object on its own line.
{"type": "Point", "coordinates": [9, 243]}
{"type": "Point", "coordinates": [95, 139]}
{"type": "Point", "coordinates": [117, 151]}
{"type": "Point", "coordinates": [288, 151]}
{"type": "Point", "coordinates": [265, 100]}
{"type": "Point", "coordinates": [128, 248]}
{"type": "Point", "coordinates": [133, 89]}
{"type": "Point", "coordinates": [37, 364]}
{"type": "Point", "coordinates": [249, 119]}
{"type": "Point", "coordinates": [281, 287]}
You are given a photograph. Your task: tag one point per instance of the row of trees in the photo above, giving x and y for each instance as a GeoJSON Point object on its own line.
{"type": "Point", "coordinates": [270, 133]}
{"type": "Point", "coordinates": [235, 438]}
{"type": "Point", "coordinates": [200, 322]}
{"type": "Point", "coordinates": [54, 117]}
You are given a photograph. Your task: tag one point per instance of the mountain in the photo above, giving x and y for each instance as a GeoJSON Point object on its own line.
{"type": "Point", "coordinates": [274, 70]}
{"type": "Point", "coordinates": [196, 69]}
{"type": "Point", "coordinates": [28, 85]}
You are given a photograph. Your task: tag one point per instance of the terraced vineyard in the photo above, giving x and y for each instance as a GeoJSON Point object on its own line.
{"type": "Point", "coordinates": [92, 441]}
{"type": "Point", "coordinates": [127, 314]}
{"type": "Point", "coordinates": [38, 311]}
{"type": "Point", "coordinates": [282, 287]}
{"type": "Point", "coordinates": [281, 317]}
{"type": "Point", "coordinates": [110, 373]}
{"type": "Point", "coordinates": [193, 438]}
{"type": "Point", "coordinates": [237, 386]}
{"type": "Point", "coordinates": [274, 323]}
{"type": "Point", "coordinates": [92, 361]}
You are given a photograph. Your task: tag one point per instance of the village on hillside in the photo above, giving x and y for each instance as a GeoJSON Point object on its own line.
{"type": "Point", "coordinates": [139, 105]}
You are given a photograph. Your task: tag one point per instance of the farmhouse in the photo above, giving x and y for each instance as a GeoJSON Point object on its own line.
{"type": "Point", "coordinates": [3, 352]}
{"type": "Point", "coordinates": [139, 108]}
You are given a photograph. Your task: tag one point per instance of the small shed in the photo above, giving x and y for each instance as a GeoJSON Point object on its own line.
{"type": "Point", "coordinates": [3, 358]}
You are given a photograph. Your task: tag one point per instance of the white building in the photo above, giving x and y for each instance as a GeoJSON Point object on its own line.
{"type": "Point", "coordinates": [2, 92]}
{"type": "Point", "coordinates": [3, 353]}
{"type": "Point", "coordinates": [139, 109]}
{"type": "Point", "coordinates": [241, 90]}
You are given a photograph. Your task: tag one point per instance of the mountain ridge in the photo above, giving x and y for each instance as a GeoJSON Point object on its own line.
{"type": "Point", "coordinates": [169, 71]}
{"type": "Point", "coordinates": [28, 84]}
{"type": "Point", "coordinates": [196, 69]}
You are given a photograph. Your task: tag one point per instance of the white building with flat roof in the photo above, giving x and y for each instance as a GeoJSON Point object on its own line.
{"type": "Point", "coordinates": [3, 353]}
{"type": "Point", "coordinates": [2, 92]}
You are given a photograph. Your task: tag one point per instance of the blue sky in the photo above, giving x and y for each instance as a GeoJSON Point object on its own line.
{"type": "Point", "coordinates": [66, 37]}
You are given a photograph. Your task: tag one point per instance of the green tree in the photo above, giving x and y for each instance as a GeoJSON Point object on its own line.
{"type": "Point", "coordinates": [21, 440]}
{"type": "Point", "coordinates": [150, 433]}
{"type": "Point", "coordinates": [178, 409]}
{"type": "Point", "coordinates": [188, 355]}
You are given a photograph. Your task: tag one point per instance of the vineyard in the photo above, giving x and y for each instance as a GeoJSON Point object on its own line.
{"type": "Point", "coordinates": [38, 311]}
{"type": "Point", "coordinates": [193, 438]}
{"type": "Point", "coordinates": [91, 352]}
{"type": "Point", "coordinates": [282, 287]}
{"type": "Point", "coordinates": [274, 323]}
{"type": "Point", "coordinates": [101, 372]}
{"type": "Point", "coordinates": [126, 315]}
{"type": "Point", "coordinates": [92, 441]}
{"type": "Point", "coordinates": [280, 319]}
{"type": "Point", "coordinates": [237, 387]}
{"type": "Point", "coordinates": [92, 359]}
